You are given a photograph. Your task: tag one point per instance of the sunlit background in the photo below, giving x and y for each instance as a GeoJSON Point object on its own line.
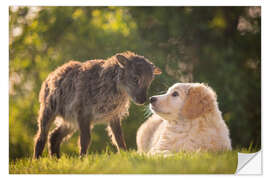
{"type": "Point", "coordinates": [220, 46]}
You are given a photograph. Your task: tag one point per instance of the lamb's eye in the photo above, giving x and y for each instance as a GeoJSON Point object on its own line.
{"type": "Point", "coordinates": [174, 94]}
{"type": "Point", "coordinates": [135, 80]}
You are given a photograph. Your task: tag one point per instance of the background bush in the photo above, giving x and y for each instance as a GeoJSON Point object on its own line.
{"type": "Point", "coordinates": [220, 46]}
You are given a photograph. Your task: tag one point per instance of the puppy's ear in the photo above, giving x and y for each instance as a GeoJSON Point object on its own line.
{"type": "Point", "coordinates": [200, 100]}
{"type": "Point", "coordinates": [157, 71]}
{"type": "Point", "coordinates": [122, 60]}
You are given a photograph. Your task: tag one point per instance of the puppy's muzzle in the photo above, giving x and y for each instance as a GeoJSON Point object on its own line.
{"type": "Point", "coordinates": [152, 100]}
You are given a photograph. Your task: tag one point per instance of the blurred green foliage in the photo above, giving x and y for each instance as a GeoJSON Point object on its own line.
{"type": "Point", "coordinates": [220, 46]}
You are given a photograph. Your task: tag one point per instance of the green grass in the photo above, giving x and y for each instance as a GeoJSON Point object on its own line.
{"type": "Point", "coordinates": [130, 163]}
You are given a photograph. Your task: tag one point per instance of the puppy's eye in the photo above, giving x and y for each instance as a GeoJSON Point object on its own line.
{"type": "Point", "coordinates": [174, 94]}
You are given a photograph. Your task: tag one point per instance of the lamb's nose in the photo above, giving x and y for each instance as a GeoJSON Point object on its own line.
{"type": "Point", "coordinates": [153, 99]}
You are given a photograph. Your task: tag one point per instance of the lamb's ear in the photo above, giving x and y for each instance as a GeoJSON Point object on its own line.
{"type": "Point", "coordinates": [122, 60]}
{"type": "Point", "coordinates": [157, 71]}
{"type": "Point", "coordinates": [199, 101]}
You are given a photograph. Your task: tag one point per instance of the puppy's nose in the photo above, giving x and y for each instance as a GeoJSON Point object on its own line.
{"type": "Point", "coordinates": [153, 99]}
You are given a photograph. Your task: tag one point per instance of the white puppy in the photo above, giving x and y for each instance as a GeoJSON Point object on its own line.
{"type": "Point", "coordinates": [186, 118]}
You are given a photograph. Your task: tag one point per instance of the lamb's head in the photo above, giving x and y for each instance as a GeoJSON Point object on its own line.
{"type": "Point", "coordinates": [138, 73]}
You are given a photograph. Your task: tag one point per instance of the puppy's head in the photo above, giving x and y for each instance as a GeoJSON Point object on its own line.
{"type": "Point", "coordinates": [184, 100]}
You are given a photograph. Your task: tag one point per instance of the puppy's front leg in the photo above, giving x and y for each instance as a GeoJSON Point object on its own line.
{"type": "Point", "coordinates": [115, 131]}
{"type": "Point", "coordinates": [164, 153]}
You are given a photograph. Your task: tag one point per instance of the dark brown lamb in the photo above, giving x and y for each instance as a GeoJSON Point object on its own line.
{"type": "Point", "coordinates": [79, 95]}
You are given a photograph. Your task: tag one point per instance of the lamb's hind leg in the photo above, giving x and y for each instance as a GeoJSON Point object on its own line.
{"type": "Point", "coordinates": [56, 137]}
{"type": "Point", "coordinates": [85, 134]}
{"type": "Point", "coordinates": [46, 116]}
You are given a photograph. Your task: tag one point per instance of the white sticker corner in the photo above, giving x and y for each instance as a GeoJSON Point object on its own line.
{"type": "Point", "coordinates": [249, 164]}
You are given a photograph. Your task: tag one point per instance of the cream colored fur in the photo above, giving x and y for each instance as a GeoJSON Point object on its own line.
{"type": "Point", "coordinates": [190, 121]}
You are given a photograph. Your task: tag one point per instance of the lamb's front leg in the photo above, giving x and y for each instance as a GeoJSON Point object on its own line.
{"type": "Point", "coordinates": [115, 131]}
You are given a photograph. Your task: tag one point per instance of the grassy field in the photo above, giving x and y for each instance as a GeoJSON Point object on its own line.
{"type": "Point", "coordinates": [130, 163]}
